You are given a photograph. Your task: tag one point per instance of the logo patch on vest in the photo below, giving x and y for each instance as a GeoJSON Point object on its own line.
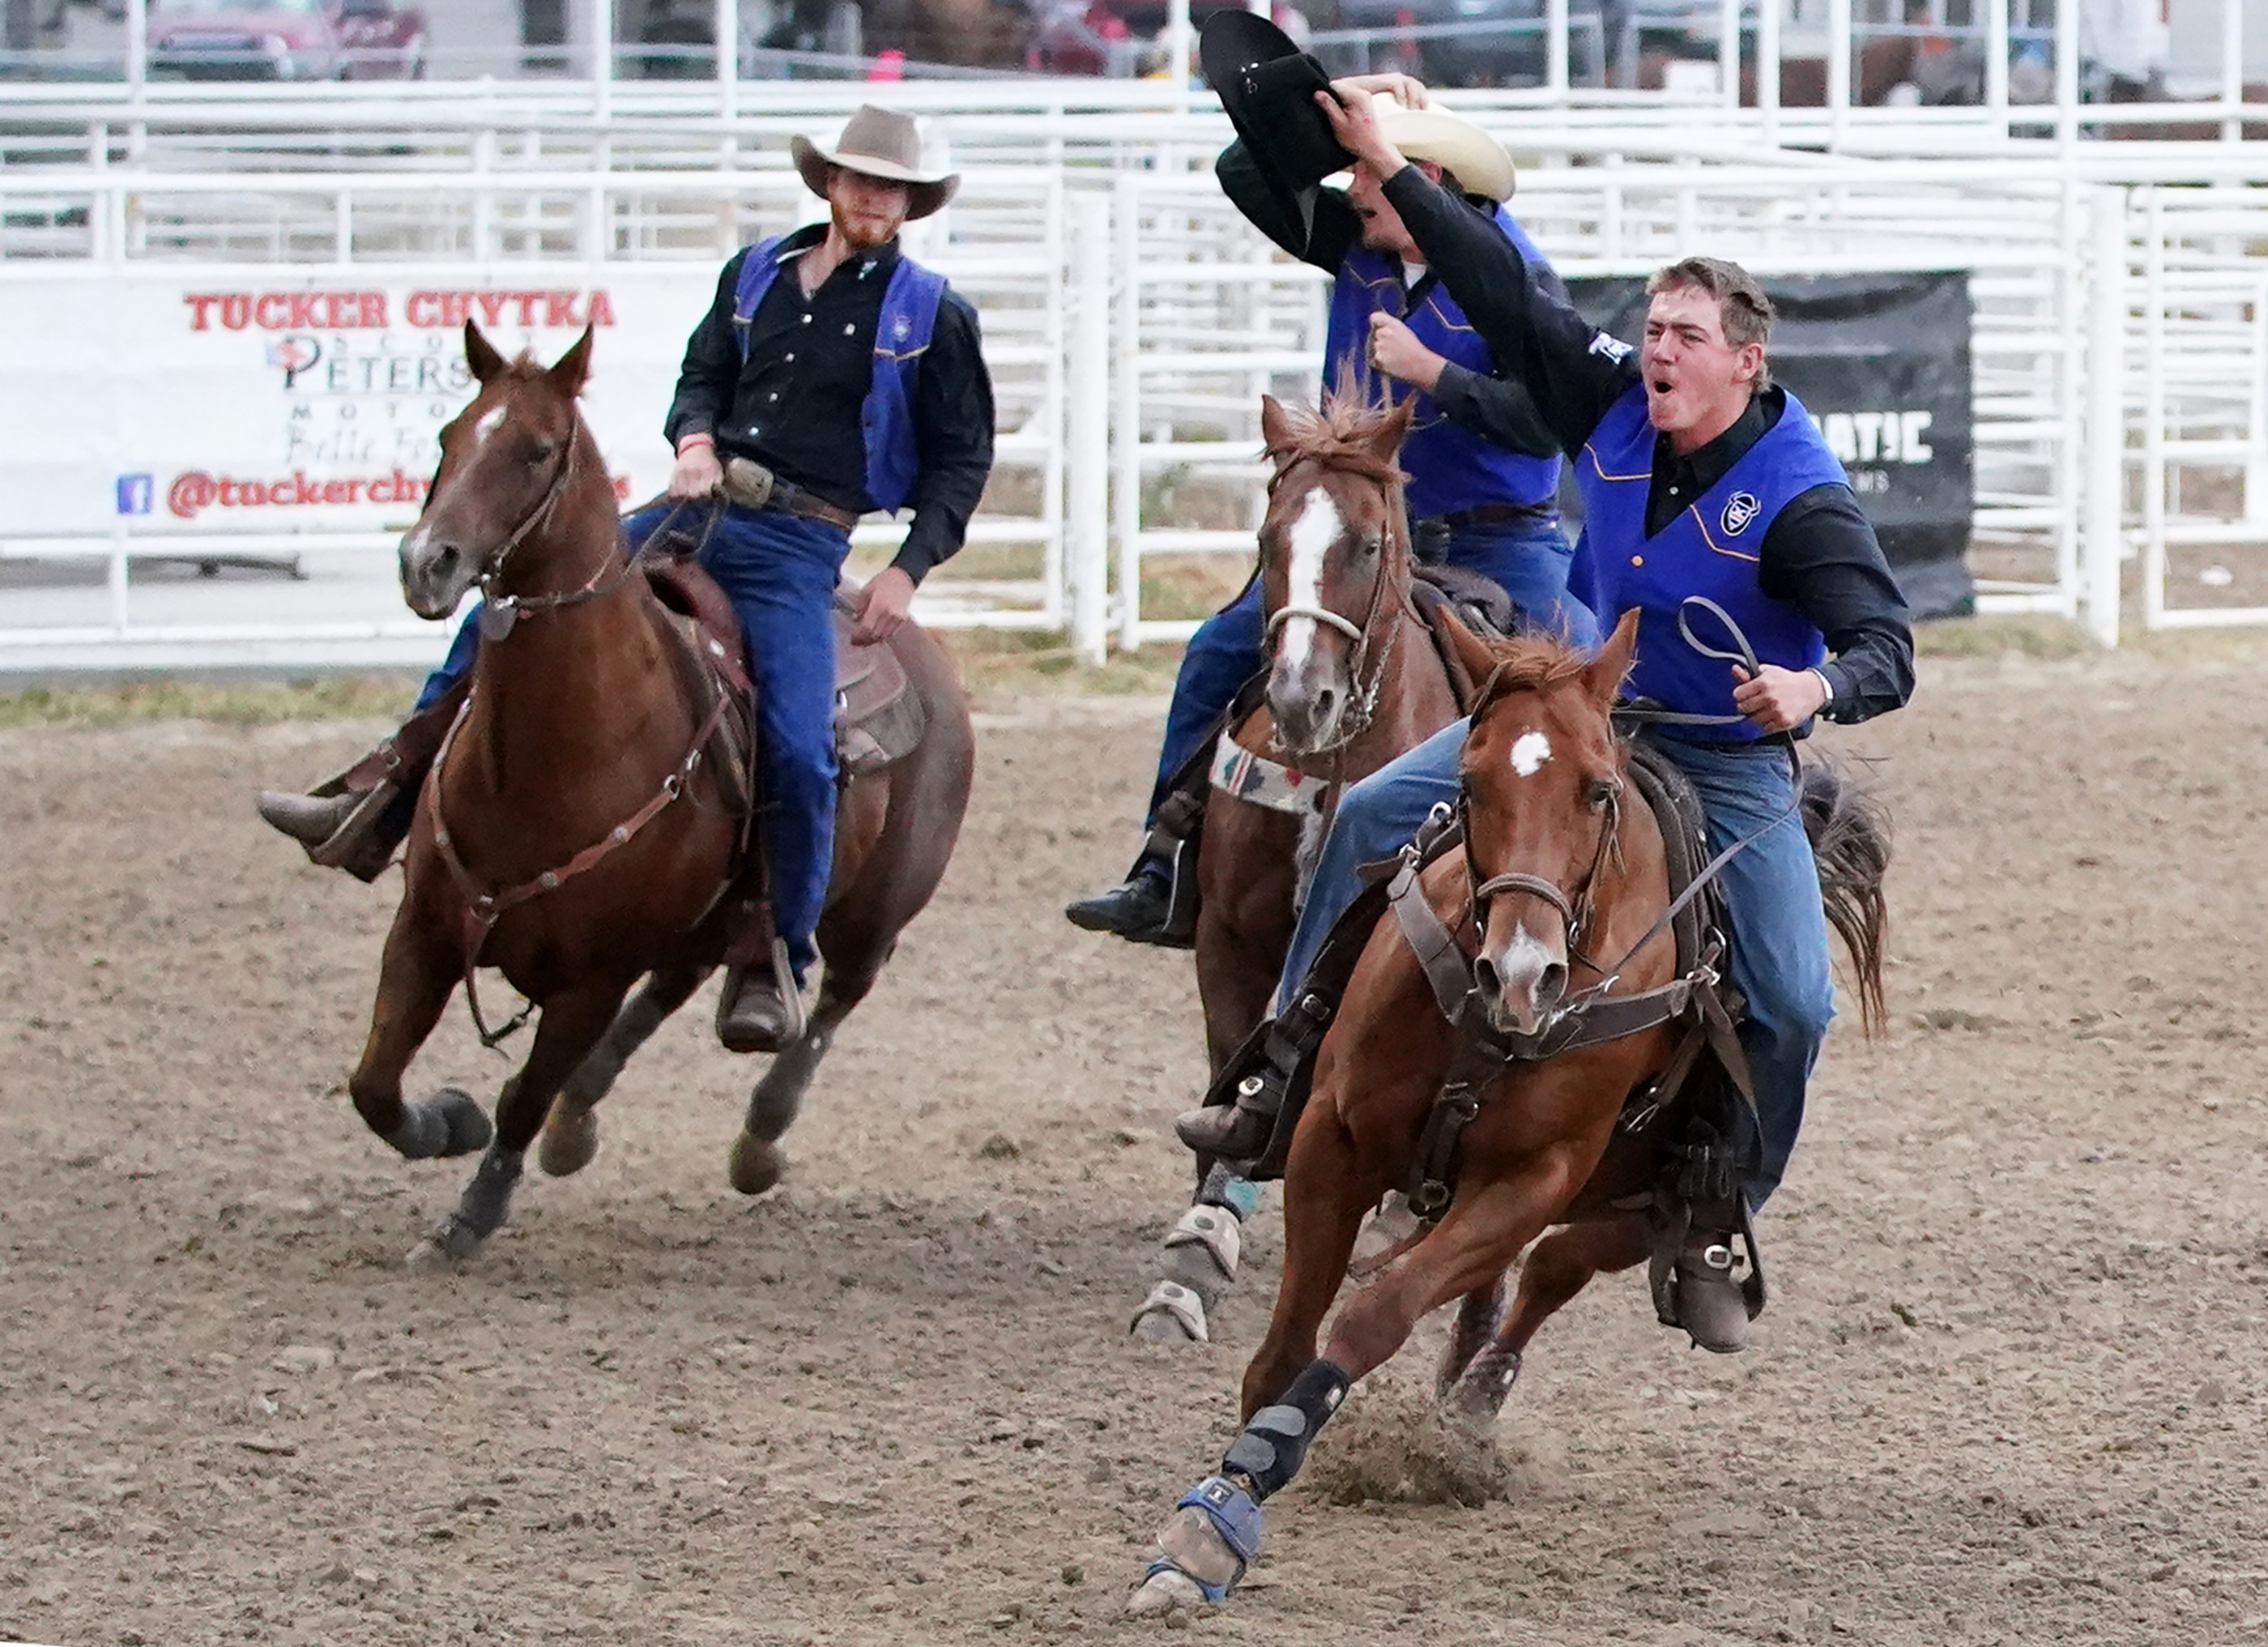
{"type": "Point", "coordinates": [1741, 508]}
{"type": "Point", "coordinates": [902, 329]}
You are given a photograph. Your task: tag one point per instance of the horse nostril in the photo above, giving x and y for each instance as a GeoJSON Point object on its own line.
{"type": "Point", "coordinates": [1551, 985]}
{"type": "Point", "coordinates": [1324, 700]}
{"type": "Point", "coordinates": [1487, 981]}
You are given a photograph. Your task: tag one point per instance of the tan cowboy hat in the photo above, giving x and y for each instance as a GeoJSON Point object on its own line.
{"type": "Point", "coordinates": [1449, 141]}
{"type": "Point", "coordinates": [878, 143]}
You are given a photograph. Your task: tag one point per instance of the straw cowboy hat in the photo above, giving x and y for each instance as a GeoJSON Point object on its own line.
{"type": "Point", "coordinates": [878, 143]}
{"type": "Point", "coordinates": [1449, 141]}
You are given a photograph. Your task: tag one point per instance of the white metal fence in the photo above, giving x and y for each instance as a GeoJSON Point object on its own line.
{"type": "Point", "coordinates": [1132, 319]}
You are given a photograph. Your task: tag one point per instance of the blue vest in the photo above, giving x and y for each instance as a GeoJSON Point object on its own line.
{"type": "Point", "coordinates": [1711, 548]}
{"type": "Point", "coordinates": [1450, 468]}
{"type": "Point", "coordinates": [908, 320]}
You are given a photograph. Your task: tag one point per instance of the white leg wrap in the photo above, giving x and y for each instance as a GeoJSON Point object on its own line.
{"type": "Point", "coordinates": [1201, 1250]}
{"type": "Point", "coordinates": [1172, 1313]}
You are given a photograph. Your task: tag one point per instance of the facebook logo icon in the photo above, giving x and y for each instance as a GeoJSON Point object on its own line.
{"type": "Point", "coordinates": [134, 493]}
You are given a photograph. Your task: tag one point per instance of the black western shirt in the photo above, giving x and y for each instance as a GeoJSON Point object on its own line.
{"type": "Point", "coordinates": [1821, 555]}
{"type": "Point", "coordinates": [794, 406]}
{"type": "Point", "coordinates": [1497, 408]}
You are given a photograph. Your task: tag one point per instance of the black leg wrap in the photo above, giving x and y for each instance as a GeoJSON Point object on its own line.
{"type": "Point", "coordinates": [1270, 1450]}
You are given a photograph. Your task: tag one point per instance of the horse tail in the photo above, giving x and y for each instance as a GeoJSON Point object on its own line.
{"type": "Point", "coordinates": [1849, 831]}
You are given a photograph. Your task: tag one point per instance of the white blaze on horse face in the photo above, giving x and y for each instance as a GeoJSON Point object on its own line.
{"type": "Point", "coordinates": [1529, 751]}
{"type": "Point", "coordinates": [487, 425]}
{"type": "Point", "coordinates": [1521, 969]}
{"type": "Point", "coordinates": [1317, 527]}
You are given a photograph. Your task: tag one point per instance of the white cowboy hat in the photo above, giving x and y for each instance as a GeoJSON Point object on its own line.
{"type": "Point", "coordinates": [878, 143]}
{"type": "Point", "coordinates": [1449, 141]}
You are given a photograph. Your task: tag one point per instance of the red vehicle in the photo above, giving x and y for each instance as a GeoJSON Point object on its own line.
{"type": "Point", "coordinates": [286, 39]}
{"type": "Point", "coordinates": [1124, 38]}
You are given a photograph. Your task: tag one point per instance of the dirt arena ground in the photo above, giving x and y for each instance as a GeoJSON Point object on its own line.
{"type": "Point", "coordinates": [2012, 1389]}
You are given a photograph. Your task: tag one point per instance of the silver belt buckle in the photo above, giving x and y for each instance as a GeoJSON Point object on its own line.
{"type": "Point", "coordinates": [748, 482]}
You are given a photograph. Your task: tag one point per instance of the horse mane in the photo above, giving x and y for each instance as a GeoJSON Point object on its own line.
{"type": "Point", "coordinates": [1528, 661]}
{"type": "Point", "coordinates": [1339, 435]}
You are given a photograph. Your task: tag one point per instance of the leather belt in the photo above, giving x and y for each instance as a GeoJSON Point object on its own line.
{"type": "Point", "coordinates": [750, 485]}
{"type": "Point", "coordinates": [1493, 515]}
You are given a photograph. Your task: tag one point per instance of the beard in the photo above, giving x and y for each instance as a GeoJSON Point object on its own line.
{"type": "Point", "coordinates": [864, 231]}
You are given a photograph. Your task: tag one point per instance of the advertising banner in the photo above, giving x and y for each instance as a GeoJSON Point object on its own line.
{"type": "Point", "coordinates": [274, 399]}
{"type": "Point", "coordinates": [1883, 362]}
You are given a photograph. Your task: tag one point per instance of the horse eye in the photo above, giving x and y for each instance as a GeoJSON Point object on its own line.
{"type": "Point", "coordinates": [1602, 791]}
{"type": "Point", "coordinates": [541, 451]}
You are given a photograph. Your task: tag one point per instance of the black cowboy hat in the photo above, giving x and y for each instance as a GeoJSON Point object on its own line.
{"type": "Point", "coordinates": [1268, 86]}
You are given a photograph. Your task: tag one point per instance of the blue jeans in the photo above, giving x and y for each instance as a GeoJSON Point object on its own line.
{"type": "Point", "coordinates": [1527, 559]}
{"type": "Point", "coordinates": [779, 571]}
{"type": "Point", "coordinates": [1779, 959]}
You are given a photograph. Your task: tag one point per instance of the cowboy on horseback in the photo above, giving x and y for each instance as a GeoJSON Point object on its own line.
{"type": "Point", "coordinates": [1484, 469]}
{"type": "Point", "coordinates": [831, 376]}
{"type": "Point", "coordinates": [1700, 479]}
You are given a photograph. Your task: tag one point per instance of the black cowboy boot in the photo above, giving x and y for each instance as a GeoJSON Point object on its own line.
{"type": "Point", "coordinates": [1155, 904]}
{"type": "Point", "coordinates": [1157, 901]}
{"type": "Point", "coordinates": [1238, 1119]}
{"type": "Point", "coordinates": [1712, 1298]}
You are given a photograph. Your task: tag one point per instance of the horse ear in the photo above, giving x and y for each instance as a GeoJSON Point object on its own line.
{"type": "Point", "coordinates": [1275, 423]}
{"type": "Point", "coordinates": [1603, 675]}
{"type": "Point", "coordinates": [1385, 441]}
{"type": "Point", "coordinates": [480, 354]}
{"type": "Point", "coordinates": [1472, 653]}
{"type": "Point", "coordinates": [569, 371]}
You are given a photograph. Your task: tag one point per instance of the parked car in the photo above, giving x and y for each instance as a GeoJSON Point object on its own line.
{"type": "Point", "coordinates": [1124, 38]}
{"type": "Point", "coordinates": [286, 39]}
{"type": "Point", "coordinates": [382, 40]}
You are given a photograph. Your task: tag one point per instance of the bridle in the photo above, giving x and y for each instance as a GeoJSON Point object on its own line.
{"type": "Point", "coordinates": [1366, 675]}
{"type": "Point", "coordinates": [500, 613]}
{"type": "Point", "coordinates": [1577, 910]}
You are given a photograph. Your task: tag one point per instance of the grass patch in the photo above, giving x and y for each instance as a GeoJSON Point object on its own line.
{"type": "Point", "coordinates": [1012, 662]}
{"type": "Point", "coordinates": [2030, 635]}
{"type": "Point", "coordinates": [250, 703]}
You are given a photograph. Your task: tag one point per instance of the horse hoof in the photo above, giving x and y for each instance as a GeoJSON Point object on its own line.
{"type": "Point", "coordinates": [468, 1123]}
{"type": "Point", "coordinates": [570, 1138]}
{"type": "Point", "coordinates": [1161, 1592]}
{"type": "Point", "coordinates": [1171, 1314]}
{"type": "Point", "coordinates": [452, 1242]}
{"type": "Point", "coordinates": [757, 1164]}
{"type": "Point", "coordinates": [1478, 1395]}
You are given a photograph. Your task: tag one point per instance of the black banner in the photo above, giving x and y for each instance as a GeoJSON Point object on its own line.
{"type": "Point", "coordinates": [1882, 361]}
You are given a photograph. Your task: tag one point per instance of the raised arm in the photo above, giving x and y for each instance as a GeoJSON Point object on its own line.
{"type": "Point", "coordinates": [1572, 371]}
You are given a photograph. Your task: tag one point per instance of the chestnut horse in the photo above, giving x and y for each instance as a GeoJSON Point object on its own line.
{"type": "Point", "coordinates": [1353, 681]}
{"type": "Point", "coordinates": [573, 832]}
{"type": "Point", "coordinates": [1552, 849]}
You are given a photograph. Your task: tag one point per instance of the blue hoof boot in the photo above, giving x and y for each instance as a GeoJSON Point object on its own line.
{"type": "Point", "coordinates": [1205, 1548]}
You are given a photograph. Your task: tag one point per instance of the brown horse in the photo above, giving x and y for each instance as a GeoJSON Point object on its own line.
{"type": "Point", "coordinates": [573, 832]}
{"type": "Point", "coordinates": [1557, 871]}
{"type": "Point", "coordinates": [1354, 680]}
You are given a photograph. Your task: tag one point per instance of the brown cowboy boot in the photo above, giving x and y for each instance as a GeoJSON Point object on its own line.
{"type": "Point", "coordinates": [354, 820]}
{"type": "Point", "coordinates": [761, 1008]}
{"type": "Point", "coordinates": [311, 820]}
